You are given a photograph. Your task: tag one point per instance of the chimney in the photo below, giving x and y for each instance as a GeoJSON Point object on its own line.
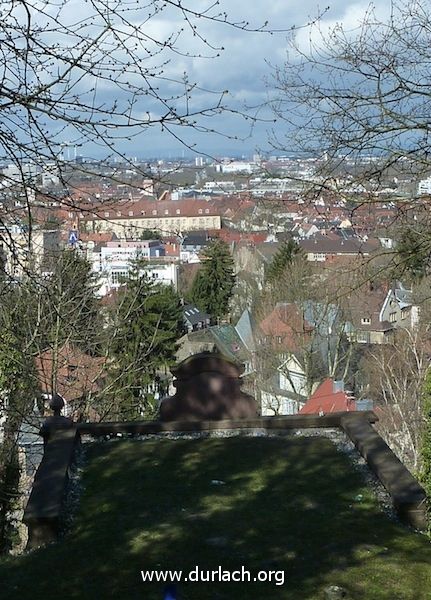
{"type": "Point", "coordinates": [338, 386]}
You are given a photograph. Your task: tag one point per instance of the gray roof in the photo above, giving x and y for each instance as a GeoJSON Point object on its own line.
{"type": "Point", "coordinates": [338, 246]}
{"type": "Point", "coordinates": [245, 328]}
{"type": "Point", "coordinates": [403, 296]}
{"type": "Point", "coordinates": [193, 315]}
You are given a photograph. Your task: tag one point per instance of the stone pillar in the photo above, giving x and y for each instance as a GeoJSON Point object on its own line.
{"type": "Point", "coordinates": [208, 389]}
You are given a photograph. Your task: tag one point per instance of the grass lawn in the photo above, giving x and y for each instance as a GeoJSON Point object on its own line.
{"type": "Point", "coordinates": [288, 504]}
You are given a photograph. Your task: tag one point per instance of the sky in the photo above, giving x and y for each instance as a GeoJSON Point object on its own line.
{"type": "Point", "coordinates": [219, 61]}
{"type": "Point", "coordinates": [244, 67]}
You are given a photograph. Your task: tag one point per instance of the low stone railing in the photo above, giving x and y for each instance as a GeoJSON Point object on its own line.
{"type": "Point", "coordinates": [44, 509]}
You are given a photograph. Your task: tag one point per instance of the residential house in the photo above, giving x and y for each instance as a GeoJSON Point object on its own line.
{"type": "Point", "coordinates": [114, 260]}
{"type": "Point", "coordinates": [329, 397]}
{"type": "Point", "coordinates": [194, 318]}
{"type": "Point", "coordinates": [21, 249]}
{"type": "Point", "coordinates": [192, 245]}
{"type": "Point", "coordinates": [235, 342]}
{"type": "Point", "coordinates": [323, 248]}
{"type": "Point", "coordinates": [377, 311]}
{"type": "Point", "coordinates": [283, 384]}
{"type": "Point", "coordinates": [73, 374]}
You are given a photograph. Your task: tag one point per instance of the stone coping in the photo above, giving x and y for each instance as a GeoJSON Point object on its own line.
{"type": "Point", "coordinates": [44, 509]}
{"type": "Point", "coordinates": [277, 422]}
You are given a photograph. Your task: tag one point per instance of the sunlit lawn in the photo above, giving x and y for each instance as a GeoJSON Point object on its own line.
{"type": "Point", "coordinates": [287, 504]}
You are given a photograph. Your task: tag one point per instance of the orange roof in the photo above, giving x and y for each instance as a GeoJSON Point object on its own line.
{"type": "Point", "coordinates": [77, 373]}
{"type": "Point", "coordinates": [97, 237]}
{"type": "Point", "coordinates": [130, 209]}
{"type": "Point", "coordinates": [172, 249]}
{"type": "Point", "coordinates": [325, 400]}
{"type": "Point", "coordinates": [286, 326]}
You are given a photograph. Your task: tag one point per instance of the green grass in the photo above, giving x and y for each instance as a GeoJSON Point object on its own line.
{"type": "Point", "coordinates": [288, 504]}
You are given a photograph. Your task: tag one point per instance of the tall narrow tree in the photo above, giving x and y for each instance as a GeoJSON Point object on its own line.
{"type": "Point", "coordinates": [213, 286]}
{"type": "Point", "coordinates": [145, 328]}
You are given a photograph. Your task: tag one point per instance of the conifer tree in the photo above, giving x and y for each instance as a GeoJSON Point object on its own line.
{"type": "Point", "coordinates": [282, 259]}
{"type": "Point", "coordinates": [69, 307]}
{"type": "Point", "coordinates": [146, 327]}
{"type": "Point", "coordinates": [213, 286]}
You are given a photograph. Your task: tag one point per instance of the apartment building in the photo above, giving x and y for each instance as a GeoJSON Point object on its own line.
{"type": "Point", "coordinates": [128, 219]}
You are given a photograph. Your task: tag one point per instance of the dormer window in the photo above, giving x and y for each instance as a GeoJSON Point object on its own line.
{"type": "Point", "coordinates": [130, 213]}
{"type": "Point", "coordinates": [365, 321]}
{"type": "Point", "coordinates": [154, 212]}
{"type": "Point", "coordinates": [71, 373]}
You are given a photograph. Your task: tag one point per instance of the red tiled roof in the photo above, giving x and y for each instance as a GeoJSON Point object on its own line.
{"type": "Point", "coordinates": [148, 208]}
{"type": "Point", "coordinates": [325, 400]}
{"type": "Point", "coordinates": [97, 237]}
{"type": "Point", "coordinates": [286, 327]}
{"type": "Point", "coordinates": [172, 248]}
{"type": "Point", "coordinates": [229, 235]}
{"type": "Point", "coordinates": [77, 373]}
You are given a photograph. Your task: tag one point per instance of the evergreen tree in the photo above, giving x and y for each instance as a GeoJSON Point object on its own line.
{"type": "Point", "coordinates": [146, 327]}
{"type": "Point", "coordinates": [283, 258]}
{"type": "Point", "coordinates": [413, 256]}
{"type": "Point", "coordinates": [69, 307]}
{"type": "Point", "coordinates": [213, 286]}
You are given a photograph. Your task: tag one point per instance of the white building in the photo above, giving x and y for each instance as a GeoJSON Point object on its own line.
{"type": "Point", "coordinates": [114, 261]}
{"type": "Point", "coordinates": [236, 167]}
{"type": "Point", "coordinates": [424, 186]}
{"type": "Point", "coordinates": [286, 393]}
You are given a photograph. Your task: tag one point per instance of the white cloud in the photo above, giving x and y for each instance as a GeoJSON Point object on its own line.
{"type": "Point", "coordinates": [241, 66]}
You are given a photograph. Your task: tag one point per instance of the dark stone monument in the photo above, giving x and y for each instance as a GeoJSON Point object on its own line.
{"type": "Point", "coordinates": [43, 512]}
{"type": "Point", "coordinates": [56, 421]}
{"type": "Point", "coordinates": [208, 389]}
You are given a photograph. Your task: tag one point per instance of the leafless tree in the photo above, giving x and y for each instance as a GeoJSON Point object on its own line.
{"type": "Point", "coordinates": [396, 374]}
{"type": "Point", "coordinates": [357, 99]}
{"type": "Point", "coordinates": [97, 78]}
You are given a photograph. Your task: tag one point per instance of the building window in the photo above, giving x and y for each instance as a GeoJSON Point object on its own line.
{"type": "Point", "coordinates": [117, 276]}
{"type": "Point", "coordinates": [200, 211]}
{"type": "Point", "coordinates": [178, 211]}
{"type": "Point", "coordinates": [154, 212]}
{"type": "Point", "coordinates": [404, 313]}
{"type": "Point", "coordinates": [365, 321]}
{"type": "Point", "coordinates": [71, 373]}
{"type": "Point", "coordinates": [166, 212]}
{"type": "Point", "coordinates": [130, 213]}
{"type": "Point", "coordinates": [106, 214]}
{"type": "Point", "coordinates": [207, 211]}
{"type": "Point", "coordinates": [363, 337]}
{"type": "Point", "coordinates": [392, 317]}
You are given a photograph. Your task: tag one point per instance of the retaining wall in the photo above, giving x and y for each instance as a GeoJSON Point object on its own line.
{"type": "Point", "coordinates": [43, 513]}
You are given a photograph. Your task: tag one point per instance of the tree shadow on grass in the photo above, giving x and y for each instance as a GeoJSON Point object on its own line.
{"type": "Point", "coordinates": [292, 505]}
